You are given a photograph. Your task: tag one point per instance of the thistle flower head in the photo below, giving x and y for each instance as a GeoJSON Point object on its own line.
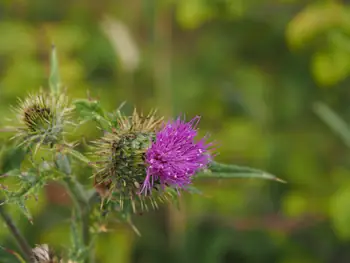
{"type": "Point", "coordinates": [42, 118]}
{"type": "Point", "coordinates": [121, 166]}
{"type": "Point", "coordinates": [144, 159]}
{"type": "Point", "coordinates": [175, 157]}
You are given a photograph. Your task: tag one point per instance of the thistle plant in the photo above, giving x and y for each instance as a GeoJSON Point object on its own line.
{"type": "Point", "coordinates": [140, 162]}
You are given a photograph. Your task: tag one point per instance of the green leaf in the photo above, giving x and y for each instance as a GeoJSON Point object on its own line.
{"type": "Point", "coordinates": [54, 80]}
{"type": "Point", "coordinates": [336, 123]}
{"type": "Point", "coordinates": [12, 173]}
{"type": "Point", "coordinates": [63, 164]}
{"type": "Point", "coordinates": [88, 108]}
{"type": "Point", "coordinates": [11, 158]}
{"type": "Point", "coordinates": [230, 168]}
{"type": "Point", "coordinates": [24, 209]}
{"type": "Point", "coordinates": [260, 175]}
{"type": "Point", "coordinates": [226, 171]}
{"type": "Point", "coordinates": [193, 190]}
{"type": "Point", "coordinates": [78, 155]}
{"type": "Point", "coordinates": [91, 110]}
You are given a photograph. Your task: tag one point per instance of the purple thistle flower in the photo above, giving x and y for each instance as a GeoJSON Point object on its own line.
{"type": "Point", "coordinates": [175, 156]}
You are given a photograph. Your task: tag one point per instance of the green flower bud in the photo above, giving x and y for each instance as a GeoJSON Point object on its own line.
{"type": "Point", "coordinates": [43, 118]}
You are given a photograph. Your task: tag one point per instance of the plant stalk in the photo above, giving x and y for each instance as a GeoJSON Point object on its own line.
{"type": "Point", "coordinates": [80, 201]}
{"type": "Point", "coordinates": [21, 241]}
{"type": "Point", "coordinates": [82, 205]}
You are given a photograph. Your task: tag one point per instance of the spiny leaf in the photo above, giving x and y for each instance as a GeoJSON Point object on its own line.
{"type": "Point", "coordinates": [218, 170]}
{"type": "Point", "coordinates": [30, 184]}
{"type": "Point", "coordinates": [11, 158]}
{"type": "Point", "coordinates": [63, 163]}
{"type": "Point", "coordinates": [230, 168]}
{"type": "Point", "coordinates": [23, 208]}
{"type": "Point", "coordinates": [87, 107]}
{"type": "Point", "coordinates": [54, 80]}
{"type": "Point", "coordinates": [91, 110]}
{"type": "Point", "coordinates": [12, 173]}
{"type": "Point", "coordinates": [78, 155]}
{"type": "Point", "coordinates": [261, 175]}
{"type": "Point", "coordinates": [193, 190]}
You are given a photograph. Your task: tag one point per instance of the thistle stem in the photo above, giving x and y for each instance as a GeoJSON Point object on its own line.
{"type": "Point", "coordinates": [21, 241]}
{"type": "Point", "coordinates": [80, 201]}
{"type": "Point", "coordinates": [81, 204]}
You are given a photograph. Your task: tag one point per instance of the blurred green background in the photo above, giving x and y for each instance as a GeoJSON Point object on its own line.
{"type": "Point", "coordinates": [252, 68]}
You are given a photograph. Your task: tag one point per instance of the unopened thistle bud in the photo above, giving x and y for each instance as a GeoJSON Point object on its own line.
{"type": "Point", "coordinates": [42, 118]}
{"type": "Point", "coordinates": [143, 158]}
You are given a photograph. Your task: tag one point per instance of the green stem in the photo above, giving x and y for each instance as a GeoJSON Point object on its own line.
{"type": "Point", "coordinates": [22, 242]}
{"type": "Point", "coordinates": [81, 204]}
{"type": "Point", "coordinates": [80, 200]}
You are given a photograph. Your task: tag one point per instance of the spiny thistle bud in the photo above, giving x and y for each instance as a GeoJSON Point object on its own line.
{"type": "Point", "coordinates": [144, 159]}
{"type": "Point", "coordinates": [42, 118]}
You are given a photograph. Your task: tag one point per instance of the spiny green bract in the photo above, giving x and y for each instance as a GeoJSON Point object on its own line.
{"type": "Point", "coordinates": [120, 165]}
{"type": "Point", "coordinates": [42, 118]}
{"type": "Point", "coordinates": [122, 159]}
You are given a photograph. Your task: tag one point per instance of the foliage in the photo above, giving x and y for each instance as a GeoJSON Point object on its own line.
{"type": "Point", "coordinates": [253, 69]}
{"type": "Point", "coordinates": [120, 166]}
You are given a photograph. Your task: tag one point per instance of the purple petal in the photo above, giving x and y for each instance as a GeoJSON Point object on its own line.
{"type": "Point", "coordinates": [175, 157]}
